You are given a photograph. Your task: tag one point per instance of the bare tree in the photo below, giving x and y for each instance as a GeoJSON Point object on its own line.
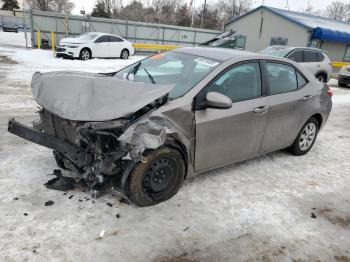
{"type": "Point", "coordinates": [51, 5]}
{"type": "Point", "coordinates": [230, 9]}
{"type": "Point", "coordinates": [338, 11]}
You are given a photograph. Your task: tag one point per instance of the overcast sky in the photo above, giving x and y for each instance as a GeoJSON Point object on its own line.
{"type": "Point", "coordinates": [294, 5]}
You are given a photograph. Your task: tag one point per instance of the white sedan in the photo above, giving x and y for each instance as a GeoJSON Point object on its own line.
{"type": "Point", "coordinates": [95, 45]}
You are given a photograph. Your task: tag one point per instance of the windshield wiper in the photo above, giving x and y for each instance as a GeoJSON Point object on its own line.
{"type": "Point", "coordinates": [149, 75]}
{"type": "Point", "coordinates": [133, 70]}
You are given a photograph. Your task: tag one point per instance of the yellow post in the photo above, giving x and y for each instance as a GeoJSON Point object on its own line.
{"type": "Point", "coordinates": [53, 40]}
{"type": "Point", "coordinates": [39, 39]}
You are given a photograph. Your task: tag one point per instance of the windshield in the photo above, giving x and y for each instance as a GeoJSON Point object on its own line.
{"type": "Point", "coordinates": [182, 70]}
{"type": "Point", "coordinates": [87, 36]}
{"type": "Point", "coordinates": [281, 52]}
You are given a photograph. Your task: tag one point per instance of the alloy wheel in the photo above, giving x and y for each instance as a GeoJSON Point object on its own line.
{"type": "Point", "coordinates": [307, 136]}
{"type": "Point", "coordinates": [85, 55]}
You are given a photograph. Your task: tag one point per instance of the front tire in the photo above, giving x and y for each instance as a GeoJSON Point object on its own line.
{"type": "Point", "coordinates": [85, 54]}
{"type": "Point", "coordinates": [158, 179]}
{"type": "Point", "coordinates": [306, 138]}
{"type": "Point", "coordinates": [124, 54]}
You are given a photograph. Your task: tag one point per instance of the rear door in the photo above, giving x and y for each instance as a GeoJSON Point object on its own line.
{"type": "Point", "coordinates": [285, 101]}
{"type": "Point", "coordinates": [101, 46]}
{"type": "Point", "coordinates": [310, 61]}
{"type": "Point", "coordinates": [229, 135]}
{"type": "Point", "coordinates": [116, 46]}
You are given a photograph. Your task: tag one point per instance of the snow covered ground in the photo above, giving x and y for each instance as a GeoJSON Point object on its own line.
{"type": "Point", "coordinates": [273, 208]}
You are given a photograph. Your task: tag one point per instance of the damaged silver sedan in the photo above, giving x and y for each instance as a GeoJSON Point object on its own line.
{"type": "Point", "coordinates": [149, 126]}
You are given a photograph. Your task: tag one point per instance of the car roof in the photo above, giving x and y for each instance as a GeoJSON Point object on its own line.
{"type": "Point", "coordinates": [101, 33]}
{"type": "Point", "coordinates": [218, 53]}
{"type": "Point", "coordinates": [295, 47]}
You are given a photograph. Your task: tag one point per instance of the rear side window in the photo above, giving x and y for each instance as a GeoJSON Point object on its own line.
{"type": "Point", "coordinates": [310, 56]}
{"type": "Point", "coordinates": [241, 82]}
{"type": "Point", "coordinates": [102, 39]}
{"type": "Point", "coordinates": [301, 80]}
{"type": "Point", "coordinates": [320, 57]}
{"type": "Point", "coordinates": [296, 56]}
{"type": "Point", "coordinates": [282, 78]}
{"type": "Point", "coordinates": [115, 39]}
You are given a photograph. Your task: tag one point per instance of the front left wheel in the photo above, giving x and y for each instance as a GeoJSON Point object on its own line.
{"type": "Point", "coordinates": [158, 179]}
{"type": "Point", "coordinates": [85, 54]}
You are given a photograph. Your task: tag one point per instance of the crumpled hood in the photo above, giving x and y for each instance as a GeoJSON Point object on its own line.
{"type": "Point", "coordinates": [92, 97]}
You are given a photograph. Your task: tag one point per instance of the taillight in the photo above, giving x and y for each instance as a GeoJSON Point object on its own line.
{"type": "Point", "coordinates": [329, 92]}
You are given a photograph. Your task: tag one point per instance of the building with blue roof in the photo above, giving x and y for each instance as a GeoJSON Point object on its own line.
{"type": "Point", "coordinates": [265, 26]}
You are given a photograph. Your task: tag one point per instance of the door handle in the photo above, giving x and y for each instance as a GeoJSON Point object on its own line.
{"type": "Point", "coordinates": [261, 109]}
{"type": "Point", "coordinates": [306, 98]}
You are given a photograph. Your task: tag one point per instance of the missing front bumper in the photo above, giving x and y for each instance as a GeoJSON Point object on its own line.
{"type": "Point", "coordinates": [73, 152]}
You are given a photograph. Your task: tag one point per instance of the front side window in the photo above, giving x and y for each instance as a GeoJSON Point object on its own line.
{"type": "Point", "coordinates": [242, 82]}
{"type": "Point", "coordinates": [309, 56]}
{"type": "Point", "coordinates": [282, 78]}
{"type": "Point", "coordinates": [296, 56]}
{"type": "Point", "coordinates": [102, 39]}
{"type": "Point", "coordinates": [181, 70]}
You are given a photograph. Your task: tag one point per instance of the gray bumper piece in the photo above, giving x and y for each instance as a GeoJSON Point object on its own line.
{"type": "Point", "coordinates": [73, 152]}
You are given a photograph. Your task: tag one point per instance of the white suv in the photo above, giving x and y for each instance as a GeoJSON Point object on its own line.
{"type": "Point", "coordinates": [93, 44]}
{"type": "Point", "coordinates": [313, 59]}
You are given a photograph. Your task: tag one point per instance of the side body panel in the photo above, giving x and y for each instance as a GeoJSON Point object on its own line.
{"type": "Point", "coordinates": [228, 135]}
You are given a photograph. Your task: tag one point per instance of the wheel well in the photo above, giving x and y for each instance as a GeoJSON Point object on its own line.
{"type": "Point", "coordinates": [319, 119]}
{"type": "Point", "coordinates": [321, 73]}
{"type": "Point", "coordinates": [86, 49]}
{"type": "Point", "coordinates": [126, 50]}
{"type": "Point", "coordinates": [181, 148]}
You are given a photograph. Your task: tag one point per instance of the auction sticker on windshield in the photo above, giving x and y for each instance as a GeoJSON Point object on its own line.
{"type": "Point", "coordinates": [205, 61]}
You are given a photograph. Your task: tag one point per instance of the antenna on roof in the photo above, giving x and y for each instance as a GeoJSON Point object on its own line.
{"type": "Point", "coordinates": [263, 2]}
{"type": "Point", "coordinates": [287, 5]}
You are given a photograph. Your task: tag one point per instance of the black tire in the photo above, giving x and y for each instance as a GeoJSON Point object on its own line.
{"type": "Point", "coordinates": [85, 54]}
{"type": "Point", "coordinates": [342, 84]}
{"type": "Point", "coordinates": [322, 78]}
{"type": "Point", "coordinates": [296, 148]}
{"type": "Point", "coordinates": [124, 54]}
{"type": "Point", "coordinates": [158, 179]}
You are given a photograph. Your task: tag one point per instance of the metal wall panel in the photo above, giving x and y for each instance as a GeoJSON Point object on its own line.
{"type": "Point", "coordinates": [136, 32]}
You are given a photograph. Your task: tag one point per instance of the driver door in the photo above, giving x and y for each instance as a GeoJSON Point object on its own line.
{"type": "Point", "coordinates": [225, 136]}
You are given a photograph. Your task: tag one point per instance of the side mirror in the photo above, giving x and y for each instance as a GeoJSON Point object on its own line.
{"type": "Point", "coordinates": [217, 100]}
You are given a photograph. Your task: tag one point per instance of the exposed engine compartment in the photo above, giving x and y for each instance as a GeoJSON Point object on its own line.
{"type": "Point", "coordinates": [103, 152]}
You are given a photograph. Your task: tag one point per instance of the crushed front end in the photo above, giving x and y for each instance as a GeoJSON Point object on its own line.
{"type": "Point", "coordinates": [72, 123]}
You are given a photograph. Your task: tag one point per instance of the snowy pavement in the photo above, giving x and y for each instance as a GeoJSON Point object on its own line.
{"type": "Point", "coordinates": [273, 208]}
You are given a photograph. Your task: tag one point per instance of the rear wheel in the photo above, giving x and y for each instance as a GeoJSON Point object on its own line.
{"type": "Point", "coordinates": [306, 138]}
{"type": "Point", "coordinates": [85, 54]}
{"type": "Point", "coordinates": [158, 179]}
{"type": "Point", "coordinates": [124, 54]}
{"type": "Point", "coordinates": [322, 78]}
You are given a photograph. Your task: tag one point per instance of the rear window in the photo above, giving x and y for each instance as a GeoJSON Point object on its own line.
{"type": "Point", "coordinates": [310, 56]}
{"type": "Point", "coordinates": [115, 39]}
{"type": "Point", "coordinates": [320, 57]}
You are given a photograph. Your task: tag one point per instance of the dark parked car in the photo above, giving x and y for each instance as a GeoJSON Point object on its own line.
{"type": "Point", "coordinates": [10, 27]}
{"type": "Point", "coordinates": [174, 115]}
